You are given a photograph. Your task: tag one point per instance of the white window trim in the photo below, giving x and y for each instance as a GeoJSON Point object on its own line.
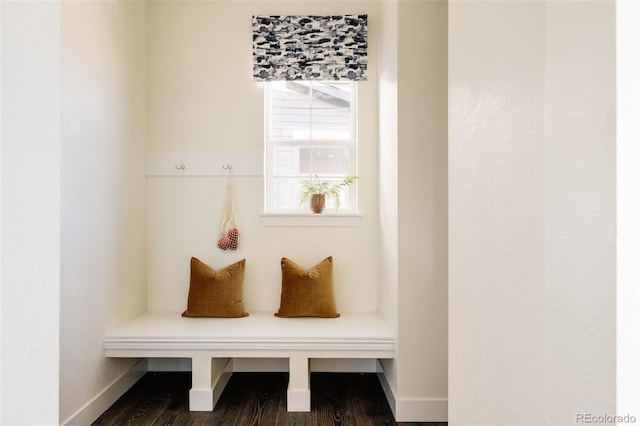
{"type": "Point", "coordinates": [310, 219]}
{"type": "Point", "coordinates": [302, 216]}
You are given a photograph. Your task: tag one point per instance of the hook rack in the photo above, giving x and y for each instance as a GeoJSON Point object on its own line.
{"type": "Point", "coordinates": [204, 163]}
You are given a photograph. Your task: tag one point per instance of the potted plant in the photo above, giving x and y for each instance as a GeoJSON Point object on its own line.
{"type": "Point", "coordinates": [317, 190]}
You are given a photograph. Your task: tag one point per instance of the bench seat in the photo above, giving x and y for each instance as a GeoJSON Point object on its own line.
{"type": "Point", "coordinates": [212, 342]}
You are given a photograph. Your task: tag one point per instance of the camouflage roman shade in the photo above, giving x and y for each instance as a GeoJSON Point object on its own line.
{"type": "Point", "coordinates": [310, 47]}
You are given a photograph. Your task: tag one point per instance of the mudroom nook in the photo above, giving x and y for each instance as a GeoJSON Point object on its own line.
{"type": "Point", "coordinates": [189, 94]}
{"type": "Point", "coordinates": [191, 161]}
{"type": "Point", "coordinates": [450, 220]}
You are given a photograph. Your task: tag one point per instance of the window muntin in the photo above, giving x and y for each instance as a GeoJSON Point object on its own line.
{"type": "Point", "coordinates": [310, 130]}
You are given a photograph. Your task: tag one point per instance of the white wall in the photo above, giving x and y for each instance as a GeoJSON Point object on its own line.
{"type": "Point", "coordinates": [30, 200]}
{"type": "Point", "coordinates": [628, 181]}
{"type": "Point", "coordinates": [103, 195]}
{"type": "Point", "coordinates": [388, 180]}
{"type": "Point", "coordinates": [580, 209]}
{"type": "Point", "coordinates": [496, 224]}
{"type": "Point", "coordinates": [202, 99]}
{"type": "Point", "coordinates": [422, 211]}
{"type": "Point", "coordinates": [413, 204]}
{"type": "Point", "coordinates": [531, 211]}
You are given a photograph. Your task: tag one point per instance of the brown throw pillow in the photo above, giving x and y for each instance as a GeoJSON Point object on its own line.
{"type": "Point", "coordinates": [215, 294]}
{"type": "Point", "coordinates": [307, 293]}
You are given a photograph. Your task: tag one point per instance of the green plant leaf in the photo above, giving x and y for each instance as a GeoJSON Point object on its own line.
{"type": "Point", "coordinates": [316, 186]}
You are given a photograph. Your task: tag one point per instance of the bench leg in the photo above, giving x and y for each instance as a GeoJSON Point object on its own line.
{"type": "Point", "coordinates": [208, 380]}
{"type": "Point", "coordinates": [298, 393]}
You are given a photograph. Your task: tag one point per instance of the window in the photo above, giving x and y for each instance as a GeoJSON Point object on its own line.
{"type": "Point", "coordinates": [310, 131]}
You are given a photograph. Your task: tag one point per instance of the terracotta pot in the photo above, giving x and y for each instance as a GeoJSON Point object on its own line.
{"type": "Point", "coordinates": [317, 203]}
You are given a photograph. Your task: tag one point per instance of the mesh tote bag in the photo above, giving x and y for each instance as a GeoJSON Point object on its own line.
{"type": "Point", "coordinates": [228, 233]}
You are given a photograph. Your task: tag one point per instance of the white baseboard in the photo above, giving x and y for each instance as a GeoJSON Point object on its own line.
{"type": "Point", "coordinates": [413, 410]}
{"type": "Point", "coordinates": [110, 394]}
{"type": "Point", "coordinates": [388, 391]}
{"type": "Point", "coordinates": [219, 386]}
{"type": "Point", "coordinates": [421, 410]}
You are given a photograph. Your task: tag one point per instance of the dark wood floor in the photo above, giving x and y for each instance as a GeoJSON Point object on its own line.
{"type": "Point", "coordinates": [255, 399]}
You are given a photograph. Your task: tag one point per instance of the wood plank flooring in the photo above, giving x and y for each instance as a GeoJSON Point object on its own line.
{"type": "Point", "coordinates": [344, 399]}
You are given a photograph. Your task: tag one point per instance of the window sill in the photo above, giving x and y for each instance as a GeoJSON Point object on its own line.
{"type": "Point", "coordinates": [310, 219]}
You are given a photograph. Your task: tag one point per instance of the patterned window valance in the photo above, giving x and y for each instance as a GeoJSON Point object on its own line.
{"type": "Point", "coordinates": [310, 47]}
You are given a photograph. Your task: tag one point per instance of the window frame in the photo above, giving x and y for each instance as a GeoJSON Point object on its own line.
{"type": "Point", "coordinates": [351, 145]}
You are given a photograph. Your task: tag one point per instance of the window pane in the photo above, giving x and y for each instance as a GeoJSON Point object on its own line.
{"type": "Point", "coordinates": [332, 160]}
{"type": "Point", "coordinates": [310, 132]}
{"type": "Point", "coordinates": [286, 193]}
{"type": "Point", "coordinates": [290, 111]}
{"type": "Point", "coordinates": [297, 107]}
{"type": "Point", "coordinates": [331, 110]}
{"type": "Point", "coordinates": [286, 161]}
{"type": "Point", "coordinates": [307, 161]}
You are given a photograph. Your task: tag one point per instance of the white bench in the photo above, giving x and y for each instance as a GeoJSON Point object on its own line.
{"type": "Point", "coordinates": [212, 342]}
